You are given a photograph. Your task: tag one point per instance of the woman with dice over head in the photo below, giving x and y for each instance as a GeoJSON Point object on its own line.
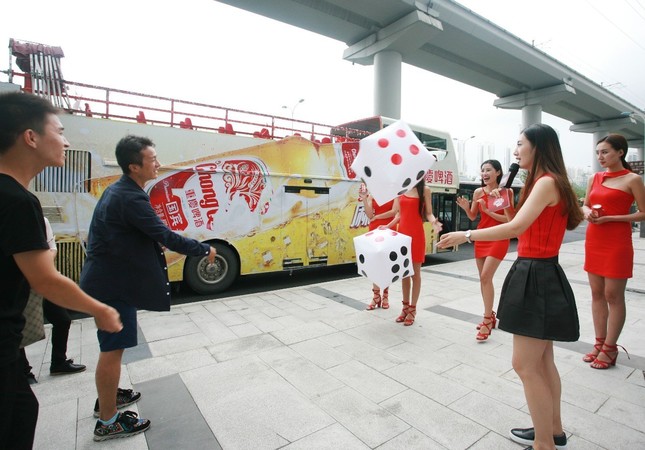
{"type": "Point", "coordinates": [378, 216]}
{"type": "Point", "coordinates": [537, 304]}
{"type": "Point", "coordinates": [409, 211]}
{"type": "Point", "coordinates": [609, 254]}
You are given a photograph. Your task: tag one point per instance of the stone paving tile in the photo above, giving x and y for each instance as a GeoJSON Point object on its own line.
{"type": "Point", "coordinates": [333, 437]}
{"type": "Point", "coordinates": [412, 439]}
{"type": "Point", "coordinates": [487, 384]}
{"type": "Point", "coordinates": [245, 330]}
{"type": "Point", "coordinates": [243, 347]}
{"type": "Point", "coordinates": [56, 426]}
{"type": "Point", "coordinates": [365, 419]}
{"type": "Point", "coordinates": [178, 344]}
{"type": "Point", "coordinates": [628, 414]}
{"type": "Point", "coordinates": [610, 434]}
{"type": "Point", "coordinates": [439, 422]}
{"type": "Point", "coordinates": [491, 412]}
{"type": "Point", "coordinates": [371, 356]}
{"type": "Point", "coordinates": [303, 332]}
{"type": "Point", "coordinates": [307, 377]}
{"type": "Point", "coordinates": [321, 354]}
{"type": "Point", "coordinates": [367, 381]}
{"type": "Point", "coordinates": [437, 387]}
{"type": "Point", "coordinates": [251, 406]}
{"type": "Point", "coordinates": [160, 326]}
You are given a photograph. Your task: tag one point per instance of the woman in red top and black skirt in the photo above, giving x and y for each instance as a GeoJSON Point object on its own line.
{"type": "Point", "coordinates": [537, 304]}
{"type": "Point", "coordinates": [609, 253]}
{"type": "Point", "coordinates": [378, 216]}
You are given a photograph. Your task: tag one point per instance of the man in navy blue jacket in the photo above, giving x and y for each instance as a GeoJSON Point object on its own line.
{"type": "Point", "coordinates": [126, 267]}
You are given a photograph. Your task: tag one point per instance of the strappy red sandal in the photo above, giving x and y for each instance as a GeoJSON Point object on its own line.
{"type": "Point", "coordinates": [481, 324]}
{"type": "Point", "coordinates": [409, 318]}
{"type": "Point", "coordinates": [607, 349]}
{"type": "Point", "coordinates": [404, 312]}
{"type": "Point", "coordinates": [376, 301]}
{"type": "Point", "coordinates": [385, 300]}
{"type": "Point", "coordinates": [591, 356]}
{"type": "Point", "coordinates": [489, 324]}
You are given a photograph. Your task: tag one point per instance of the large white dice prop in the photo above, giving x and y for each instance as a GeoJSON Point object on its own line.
{"type": "Point", "coordinates": [383, 256]}
{"type": "Point", "coordinates": [392, 161]}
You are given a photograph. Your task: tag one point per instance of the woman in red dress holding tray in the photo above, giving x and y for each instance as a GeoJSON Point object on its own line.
{"type": "Point", "coordinates": [609, 254]}
{"type": "Point", "coordinates": [488, 254]}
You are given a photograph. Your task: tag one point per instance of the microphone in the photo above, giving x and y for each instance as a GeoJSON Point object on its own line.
{"type": "Point", "coordinates": [507, 179]}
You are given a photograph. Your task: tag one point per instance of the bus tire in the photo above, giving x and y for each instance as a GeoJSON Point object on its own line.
{"type": "Point", "coordinates": [212, 280]}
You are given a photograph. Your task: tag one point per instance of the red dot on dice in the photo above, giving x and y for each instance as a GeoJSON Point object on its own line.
{"type": "Point", "coordinates": [414, 149]}
{"type": "Point", "coordinates": [396, 159]}
{"type": "Point", "coordinates": [400, 133]}
{"type": "Point", "coordinates": [383, 142]}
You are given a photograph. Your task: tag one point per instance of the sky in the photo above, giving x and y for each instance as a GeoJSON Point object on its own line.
{"type": "Point", "coordinates": [205, 51]}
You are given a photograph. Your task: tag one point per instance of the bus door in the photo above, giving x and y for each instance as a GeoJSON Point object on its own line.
{"type": "Point", "coordinates": [444, 207]}
{"type": "Point", "coordinates": [308, 233]}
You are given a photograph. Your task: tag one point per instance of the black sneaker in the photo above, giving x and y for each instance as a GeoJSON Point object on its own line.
{"type": "Point", "coordinates": [124, 397]}
{"type": "Point", "coordinates": [526, 436]}
{"type": "Point", "coordinates": [66, 367]}
{"type": "Point", "coordinates": [127, 424]}
{"type": "Point", "coordinates": [32, 378]}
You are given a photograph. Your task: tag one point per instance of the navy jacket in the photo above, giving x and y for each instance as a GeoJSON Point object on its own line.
{"type": "Point", "coordinates": [125, 260]}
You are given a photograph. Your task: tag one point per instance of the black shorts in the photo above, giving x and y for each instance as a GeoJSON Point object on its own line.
{"type": "Point", "coordinates": [537, 301]}
{"type": "Point", "coordinates": [125, 338]}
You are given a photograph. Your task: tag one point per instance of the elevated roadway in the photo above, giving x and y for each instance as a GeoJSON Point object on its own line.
{"type": "Point", "coordinates": [443, 37]}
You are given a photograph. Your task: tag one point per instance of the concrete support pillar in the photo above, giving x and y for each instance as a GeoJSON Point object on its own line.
{"type": "Point", "coordinates": [531, 114]}
{"type": "Point", "coordinates": [387, 84]}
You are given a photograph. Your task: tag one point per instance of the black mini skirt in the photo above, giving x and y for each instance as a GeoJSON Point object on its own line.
{"type": "Point", "coordinates": [537, 301]}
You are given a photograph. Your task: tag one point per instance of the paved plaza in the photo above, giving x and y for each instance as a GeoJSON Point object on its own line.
{"type": "Point", "coordinates": [309, 368]}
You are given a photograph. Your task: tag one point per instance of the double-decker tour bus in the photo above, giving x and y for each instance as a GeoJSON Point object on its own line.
{"type": "Point", "coordinates": [269, 193]}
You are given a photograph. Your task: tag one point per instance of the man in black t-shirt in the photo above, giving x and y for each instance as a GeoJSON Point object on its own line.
{"type": "Point", "coordinates": [31, 138]}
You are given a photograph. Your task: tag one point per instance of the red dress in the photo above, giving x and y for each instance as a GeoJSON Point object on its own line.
{"type": "Point", "coordinates": [411, 224]}
{"type": "Point", "coordinates": [496, 249]}
{"type": "Point", "coordinates": [608, 246]}
{"type": "Point", "coordinates": [378, 209]}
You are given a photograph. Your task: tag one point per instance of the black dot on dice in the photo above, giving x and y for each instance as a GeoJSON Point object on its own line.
{"type": "Point", "coordinates": [361, 258]}
{"type": "Point", "coordinates": [396, 268]}
{"type": "Point", "coordinates": [367, 171]}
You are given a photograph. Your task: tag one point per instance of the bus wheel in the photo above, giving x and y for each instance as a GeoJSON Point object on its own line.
{"type": "Point", "coordinates": [205, 278]}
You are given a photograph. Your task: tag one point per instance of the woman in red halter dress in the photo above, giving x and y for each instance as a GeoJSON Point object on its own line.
{"type": "Point", "coordinates": [410, 210]}
{"type": "Point", "coordinates": [378, 216]}
{"type": "Point", "coordinates": [537, 304]}
{"type": "Point", "coordinates": [609, 254]}
{"type": "Point", "coordinates": [488, 254]}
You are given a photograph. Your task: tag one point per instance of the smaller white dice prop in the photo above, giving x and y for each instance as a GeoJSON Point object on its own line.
{"type": "Point", "coordinates": [383, 256]}
{"type": "Point", "coordinates": [392, 161]}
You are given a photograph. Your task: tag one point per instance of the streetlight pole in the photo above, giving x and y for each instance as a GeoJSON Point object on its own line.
{"type": "Point", "coordinates": [293, 110]}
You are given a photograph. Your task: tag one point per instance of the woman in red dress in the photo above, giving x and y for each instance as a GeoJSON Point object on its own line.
{"type": "Point", "coordinates": [488, 254]}
{"type": "Point", "coordinates": [378, 216]}
{"type": "Point", "coordinates": [410, 209]}
{"type": "Point", "coordinates": [537, 304]}
{"type": "Point", "coordinates": [609, 254]}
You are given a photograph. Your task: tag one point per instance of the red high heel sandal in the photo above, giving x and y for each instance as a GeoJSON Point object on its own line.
{"type": "Point", "coordinates": [404, 312]}
{"type": "Point", "coordinates": [385, 300]}
{"type": "Point", "coordinates": [494, 317]}
{"type": "Point", "coordinates": [607, 349]}
{"type": "Point", "coordinates": [409, 318]}
{"type": "Point", "coordinates": [591, 356]}
{"type": "Point", "coordinates": [488, 323]}
{"type": "Point", "coordinates": [376, 301]}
